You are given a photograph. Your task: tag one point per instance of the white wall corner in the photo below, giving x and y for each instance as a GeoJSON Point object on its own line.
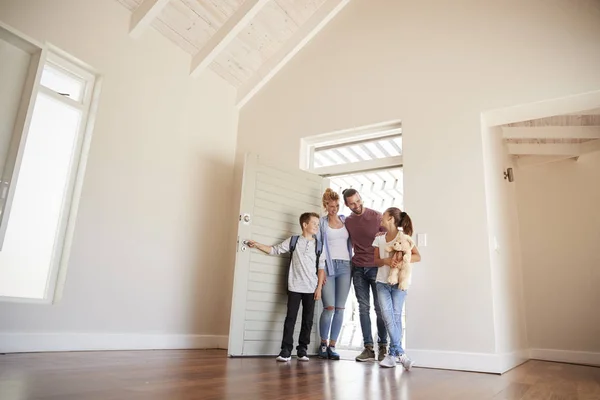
{"type": "Point", "coordinates": [46, 342]}
{"type": "Point", "coordinates": [508, 361]}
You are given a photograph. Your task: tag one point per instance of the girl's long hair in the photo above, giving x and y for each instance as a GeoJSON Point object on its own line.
{"type": "Point", "coordinates": [401, 219]}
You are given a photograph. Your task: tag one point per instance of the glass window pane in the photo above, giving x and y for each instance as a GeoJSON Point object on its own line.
{"type": "Point", "coordinates": [25, 260]}
{"type": "Point", "coordinates": [61, 82]}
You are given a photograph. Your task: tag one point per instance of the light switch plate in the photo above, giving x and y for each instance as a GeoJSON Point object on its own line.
{"type": "Point", "coordinates": [421, 239]}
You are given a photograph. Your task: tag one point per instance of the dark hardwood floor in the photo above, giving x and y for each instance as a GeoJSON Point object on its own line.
{"type": "Point", "coordinates": [209, 374]}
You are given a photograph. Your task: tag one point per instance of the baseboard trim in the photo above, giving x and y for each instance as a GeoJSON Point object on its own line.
{"type": "Point", "coordinates": [43, 342]}
{"type": "Point", "coordinates": [472, 362]}
{"type": "Point", "coordinates": [566, 356]}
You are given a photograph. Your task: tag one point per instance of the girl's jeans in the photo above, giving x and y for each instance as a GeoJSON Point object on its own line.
{"type": "Point", "coordinates": [391, 302]}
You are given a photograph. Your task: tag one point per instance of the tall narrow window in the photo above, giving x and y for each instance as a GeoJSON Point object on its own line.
{"type": "Point", "coordinates": [45, 173]}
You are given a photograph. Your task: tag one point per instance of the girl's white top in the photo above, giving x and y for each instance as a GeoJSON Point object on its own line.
{"type": "Point", "coordinates": [383, 272]}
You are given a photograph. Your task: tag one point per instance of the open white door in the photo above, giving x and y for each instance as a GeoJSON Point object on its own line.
{"type": "Point", "coordinates": [271, 203]}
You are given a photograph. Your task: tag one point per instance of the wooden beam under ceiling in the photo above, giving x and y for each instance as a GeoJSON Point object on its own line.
{"type": "Point", "coordinates": [530, 161]}
{"type": "Point", "coordinates": [552, 132]}
{"type": "Point", "coordinates": [143, 16]}
{"type": "Point", "coordinates": [554, 149]}
{"type": "Point", "coordinates": [325, 13]}
{"type": "Point", "coordinates": [225, 35]}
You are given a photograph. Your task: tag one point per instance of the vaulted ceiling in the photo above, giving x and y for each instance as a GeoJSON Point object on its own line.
{"type": "Point", "coordinates": [246, 42]}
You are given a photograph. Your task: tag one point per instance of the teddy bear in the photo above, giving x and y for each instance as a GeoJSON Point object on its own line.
{"type": "Point", "coordinates": [402, 245]}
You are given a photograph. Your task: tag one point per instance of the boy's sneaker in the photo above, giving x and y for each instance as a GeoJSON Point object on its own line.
{"type": "Point", "coordinates": [406, 362]}
{"type": "Point", "coordinates": [382, 352]}
{"type": "Point", "coordinates": [302, 356]}
{"type": "Point", "coordinates": [284, 355]}
{"type": "Point", "coordinates": [367, 355]}
{"type": "Point", "coordinates": [388, 361]}
{"type": "Point", "coordinates": [331, 353]}
{"type": "Point", "coordinates": [323, 353]}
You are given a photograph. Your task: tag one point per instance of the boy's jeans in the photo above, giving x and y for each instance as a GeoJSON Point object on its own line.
{"type": "Point", "coordinates": [308, 311]}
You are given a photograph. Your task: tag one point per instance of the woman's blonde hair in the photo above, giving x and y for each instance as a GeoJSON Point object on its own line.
{"type": "Point", "coordinates": [330, 195]}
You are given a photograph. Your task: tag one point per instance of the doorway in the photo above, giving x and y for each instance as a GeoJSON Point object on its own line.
{"type": "Point", "coordinates": [379, 190]}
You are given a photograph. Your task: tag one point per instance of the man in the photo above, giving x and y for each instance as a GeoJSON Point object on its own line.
{"type": "Point", "coordinates": [363, 224]}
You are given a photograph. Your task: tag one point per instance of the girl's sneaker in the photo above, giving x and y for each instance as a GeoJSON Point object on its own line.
{"type": "Point", "coordinates": [302, 355]}
{"type": "Point", "coordinates": [331, 353]}
{"type": "Point", "coordinates": [388, 361]}
{"type": "Point", "coordinates": [284, 355]}
{"type": "Point", "coordinates": [323, 353]}
{"type": "Point", "coordinates": [406, 362]}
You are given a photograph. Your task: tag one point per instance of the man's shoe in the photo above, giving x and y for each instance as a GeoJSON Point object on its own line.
{"type": "Point", "coordinates": [382, 352]}
{"type": "Point", "coordinates": [367, 355]}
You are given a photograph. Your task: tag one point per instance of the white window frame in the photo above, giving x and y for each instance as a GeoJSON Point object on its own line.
{"type": "Point", "coordinates": [88, 105]}
{"type": "Point", "coordinates": [345, 137]}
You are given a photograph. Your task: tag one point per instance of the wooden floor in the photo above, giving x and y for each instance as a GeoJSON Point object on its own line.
{"type": "Point", "coordinates": [180, 375]}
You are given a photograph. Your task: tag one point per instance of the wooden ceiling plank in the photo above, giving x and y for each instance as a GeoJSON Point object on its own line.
{"type": "Point", "coordinates": [290, 48]}
{"type": "Point", "coordinates": [225, 35]}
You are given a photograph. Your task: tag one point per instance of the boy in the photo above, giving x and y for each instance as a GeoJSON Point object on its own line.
{"type": "Point", "coordinates": [303, 284]}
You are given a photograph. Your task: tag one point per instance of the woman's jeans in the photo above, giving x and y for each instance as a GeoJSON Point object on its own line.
{"type": "Point", "coordinates": [334, 294]}
{"type": "Point", "coordinates": [391, 302]}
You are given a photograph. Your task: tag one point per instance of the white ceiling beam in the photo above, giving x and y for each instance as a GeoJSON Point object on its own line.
{"type": "Point", "coordinates": [552, 132]}
{"type": "Point", "coordinates": [328, 10]}
{"type": "Point", "coordinates": [530, 161]}
{"type": "Point", "coordinates": [225, 35]}
{"type": "Point", "coordinates": [143, 16]}
{"type": "Point", "coordinates": [542, 109]}
{"type": "Point", "coordinates": [554, 149]}
{"type": "Point", "coordinates": [546, 149]}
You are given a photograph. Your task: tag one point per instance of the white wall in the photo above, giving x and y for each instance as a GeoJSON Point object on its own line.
{"type": "Point", "coordinates": [436, 65]}
{"type": "Point", "coordinates": [505, 250]}
{"type": "Point", "coordinates": [560, 231]}
{"type": "Point", "coordinates": [151, 253]}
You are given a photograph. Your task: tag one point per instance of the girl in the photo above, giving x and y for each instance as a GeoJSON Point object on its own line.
{"type": "Point", "coordinates": [338, 252]}
{"type": "Point", "coordinates": [391, 299]}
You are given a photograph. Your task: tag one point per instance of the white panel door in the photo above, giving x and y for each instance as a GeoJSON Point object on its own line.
{"type": "Point", "coordinates": [272, 200]}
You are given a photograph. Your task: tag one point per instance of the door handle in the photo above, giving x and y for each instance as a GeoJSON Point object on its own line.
{"type": "Point", "coordinates": [244, 245]}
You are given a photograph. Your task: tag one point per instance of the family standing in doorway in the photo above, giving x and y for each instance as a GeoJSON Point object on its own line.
{"type": "Point", "coordinates": [332, 251]}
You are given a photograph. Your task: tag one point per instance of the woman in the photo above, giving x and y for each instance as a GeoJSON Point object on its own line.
{"type": "Point", "coordinates": [337, 249]}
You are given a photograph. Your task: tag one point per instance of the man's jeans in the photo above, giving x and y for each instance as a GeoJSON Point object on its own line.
{"type": "Point", "coordinates": [364, 280]}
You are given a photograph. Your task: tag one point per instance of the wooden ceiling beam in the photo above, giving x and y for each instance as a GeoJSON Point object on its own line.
{"type": "Point", "coordinates": [143, 16]}
{"type": "Point", "coordinates": [530, 161]}
{"type": "Point", "coordinates": [225, 35]}
{"type": "Point", "coordinates": [325, 13]}
{"type": "Point", "coordinates": [554, 149]}
{"type": "Point", "coordinates": [552, 132]}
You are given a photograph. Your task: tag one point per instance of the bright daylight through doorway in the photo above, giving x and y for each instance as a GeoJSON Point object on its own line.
{"type": "Point", "coordinates": [369, 161]}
